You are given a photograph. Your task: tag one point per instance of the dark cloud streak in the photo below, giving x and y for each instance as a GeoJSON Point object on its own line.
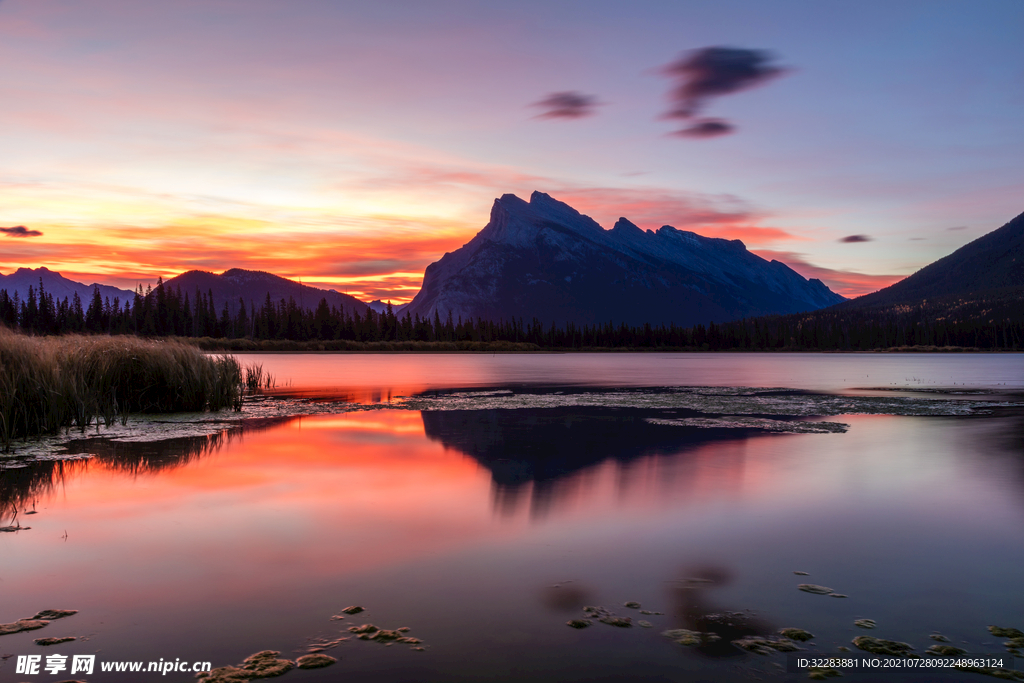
{"type": "Point", "coordinates": [566, 105]}
{"type": "Point", "coordinates": [711, 72]}
{"type": "Point", "coordinates": [853, 239]}
{"type": "Point", "coordinates": [20, 231]}
{"type": "Point", "coordinates": [706, 128]}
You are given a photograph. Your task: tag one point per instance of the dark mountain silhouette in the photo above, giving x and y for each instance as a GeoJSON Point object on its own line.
{"type": "Point", "coordinates": [253, 286]}
{"type": "Point", "coordinates": [992, 265]}
{"type": "Point", "coordinates": [57, 285]}
{"type": "Point", "coordinates": [972, 298]}
{"type": "Point", "coordinates": [544, 259]}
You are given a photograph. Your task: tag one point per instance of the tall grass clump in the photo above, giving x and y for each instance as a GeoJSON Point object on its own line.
{"type": "Point", "coordinates": [47, 383]}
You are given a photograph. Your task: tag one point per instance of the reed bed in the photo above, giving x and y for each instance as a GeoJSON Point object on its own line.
{"type": "Point", "coordinates": [49, 383]}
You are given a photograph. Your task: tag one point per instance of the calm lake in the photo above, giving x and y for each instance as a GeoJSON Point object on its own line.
{"type": "Point", "coordinates": [482, 501]}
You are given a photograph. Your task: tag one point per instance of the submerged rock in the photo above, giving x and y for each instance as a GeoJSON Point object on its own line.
{"type": "Point", "coordinates": [939, 637]}
{"type": "Point", "coordinates": [632, 604]}
{"type": "Point", "coordinates": [837, 595]}
{"type": "Point", "coordinates": [612, 620]}
{"type": "Point", "coordinates": [813, 588]}
{"type": "Point", "coordinates": [263, 664]}
{"type": "Point", "coordinates": [945, 650]}
{"type": "Point", "coordinates": [682, 636]}
{"type": "Point", "coordinates": [647, 611]}
{"type": "Point", "coordinates": [578, 623]}
{"type": "Point", "coordinates": [880, 646]}
{"type": "Point", "coordinates": [796, 634]}
{"type": "Point", "coordinates": [352, 609]}
{"type": "Point", "coordinates": [801, 573]}
{"type": "Point", "coordinates": [865, 623]}
{"type": "Point", "coordinates": [54, 641]}
{"type": "Point", "coordinates": [765, 645]}
{"type": "Point", "coordinates": [821, 673]}
{"type": "Point", "coordinates": [314, 661]}
{"type": "Point", "coordinates": [644, 624]}
{"type": "Point", "coordinates": [365, 628]}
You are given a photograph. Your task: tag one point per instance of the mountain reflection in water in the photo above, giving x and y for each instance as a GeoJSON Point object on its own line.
{"type": "Point", "coordinates": [542, 455]}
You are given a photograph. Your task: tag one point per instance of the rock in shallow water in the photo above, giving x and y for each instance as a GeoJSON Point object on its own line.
{"type": "Point", "coordinates": [578, 623]}
{"type": "Point", "coordinates": [813, 588]}
{"type": "Point", "coordinates": [865, 623]}
{"type": "Point", "coordinates": [945, 650]}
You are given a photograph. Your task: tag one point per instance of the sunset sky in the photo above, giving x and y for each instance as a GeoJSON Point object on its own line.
{"type": "Point", "coordinates": [350, 144]}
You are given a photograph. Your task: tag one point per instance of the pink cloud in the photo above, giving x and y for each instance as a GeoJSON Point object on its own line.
{"type": "Point", "coordinates": [848, 283]}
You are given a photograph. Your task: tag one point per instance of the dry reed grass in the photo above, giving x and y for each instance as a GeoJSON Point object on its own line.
{"type": "Point", "coordinates": [47, 383]}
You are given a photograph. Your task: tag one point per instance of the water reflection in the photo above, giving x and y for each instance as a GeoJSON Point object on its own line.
{"type": "Point", "coordinates": [544, 457]}
{"type": "Point", "coordinates": [23, 486]}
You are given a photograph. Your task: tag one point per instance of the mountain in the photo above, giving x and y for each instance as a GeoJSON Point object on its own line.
{"type": "Point", "coordinates": [253, 286]}
{"type": "Point", "coordinates": [544, 259]}
{"type": "Point", "coordinates": [991, 266]}
{"type": "Point", "coordinates": [379, 306]}
{"type": "Point", "coordinates": [57, 285]}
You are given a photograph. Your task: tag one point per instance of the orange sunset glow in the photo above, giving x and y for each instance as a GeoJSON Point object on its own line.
{"type": "Point", "coordinates": [350, 147]}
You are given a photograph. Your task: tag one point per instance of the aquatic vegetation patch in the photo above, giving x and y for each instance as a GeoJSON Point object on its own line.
{"type": "Point", "coordinates": [711, 401]}
{"type": "Point", "coordinates": [796, 634]}
{"type": "Point", "coordinates": [996, 672]}
{"type": "Point", "coordinates": [314, 661]}
{"type": "Point", "coordinates": [38, 621]}
{"type": "Point", "coordinates": [688, 638]}
{"type": "Point", "coordinates": [22, 625]}
{"type": "Point", "coordinates": [735, 422]}
{"type": "Point", "coordinates": [54, 641]}
{"type": "Point", "coordinates": [606, 616]}
{"type": "Point", "coordinates": [383, 635]}
{"type": "Point", "coordinates": [265, 664]}
{"type": "Point", "coordinates": [765, 645]}
{"type": "Point", "coordinates": [880, 646]}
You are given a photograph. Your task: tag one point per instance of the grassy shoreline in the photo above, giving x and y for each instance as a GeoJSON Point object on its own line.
{"type": "Point", "coordinates": [51, 383]}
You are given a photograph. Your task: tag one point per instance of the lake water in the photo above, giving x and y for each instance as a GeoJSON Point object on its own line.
{"type": "Point", "coordinates": [483, 501]}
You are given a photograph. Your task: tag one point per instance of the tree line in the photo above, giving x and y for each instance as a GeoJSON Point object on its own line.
{"type": "Point", "coordinates": [995, 322]}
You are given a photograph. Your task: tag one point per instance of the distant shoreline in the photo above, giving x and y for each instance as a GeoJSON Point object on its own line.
{"type": "Point", "coordinates": [282, 346]}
